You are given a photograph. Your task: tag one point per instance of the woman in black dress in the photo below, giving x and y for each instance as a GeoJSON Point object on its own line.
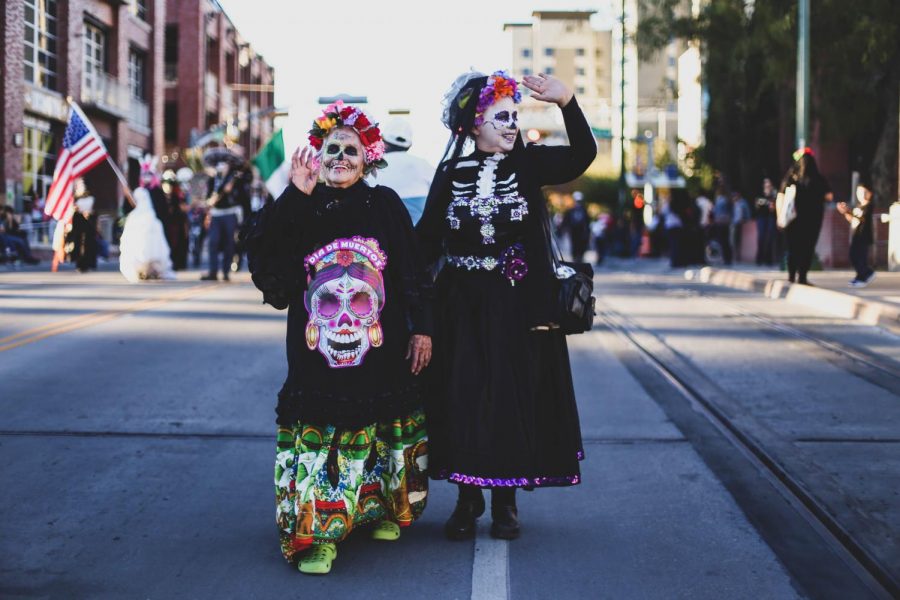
{"type": "Point", "coordinates": [803, 232]}
{"type": "Point", "coordinates": [351, 446]}
{"type": "Point", "coordinates": [502, 411]}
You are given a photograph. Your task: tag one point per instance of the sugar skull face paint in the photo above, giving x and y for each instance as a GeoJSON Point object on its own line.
{"type": "Point", "coordinates": [343, 158]}
{"type": "Point", "coordinates": [500, 128]}
{"type": "Point", "coordinates": [345, 297]}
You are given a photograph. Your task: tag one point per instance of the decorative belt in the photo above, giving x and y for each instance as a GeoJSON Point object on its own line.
{"type": "Point", "coordinates": [511, 261]}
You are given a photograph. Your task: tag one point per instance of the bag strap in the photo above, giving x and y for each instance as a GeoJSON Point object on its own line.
{"type": "Point", "coordinates": [555, 253]}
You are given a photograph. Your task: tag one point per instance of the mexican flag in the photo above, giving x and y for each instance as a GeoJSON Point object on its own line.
{"type": "Point", "coordinates": [273, 167]}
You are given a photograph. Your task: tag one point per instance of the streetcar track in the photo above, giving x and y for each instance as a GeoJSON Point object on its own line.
{"type": "Point", "coordinates": [863, 359]}
{"type": "Point", "coordinates": [868, 568]}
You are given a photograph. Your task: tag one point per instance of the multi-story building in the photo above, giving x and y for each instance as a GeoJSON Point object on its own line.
{"type": "Point", "coordinates": [217, 88]}
{"type": "Point", "coordinates": [104, 55]}
{"type": "Point", "coordinates": [661, 93]}
{"type": "Point", "coordinates": [564, 44]}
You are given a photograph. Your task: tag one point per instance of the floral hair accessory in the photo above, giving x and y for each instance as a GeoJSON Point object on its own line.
{"type": "Point", "coordinates": [339, 114]}
{"type": "Point", "coordinates": [346, 251]}
{"type": "Point", "coordinates": [800, 152]}
{"type": "Point", "coordinates": [499, 85]}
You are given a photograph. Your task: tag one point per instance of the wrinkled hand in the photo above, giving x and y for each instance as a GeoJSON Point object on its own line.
{"type": "Point", "coordinates": [304, 169]}
{"type": "Point", "coordinates": [548, 89]}
{"type": "Point", "coordinates": [420, 352]}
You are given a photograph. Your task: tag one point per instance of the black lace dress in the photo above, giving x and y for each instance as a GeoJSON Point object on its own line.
{"type": "Point", "coordinates": [501, 406]}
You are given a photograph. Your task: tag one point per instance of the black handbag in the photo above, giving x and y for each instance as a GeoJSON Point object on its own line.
{"type": "Point", "coordinates": [575, 302]}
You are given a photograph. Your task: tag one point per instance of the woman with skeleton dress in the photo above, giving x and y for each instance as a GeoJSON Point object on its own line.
{"type": "Point", "coordinates": [501, 410]}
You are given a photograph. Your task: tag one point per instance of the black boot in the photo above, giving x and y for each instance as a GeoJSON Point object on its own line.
{"type": "Point", "coordinates": [469, 506]}
{"type": "Point", "coordinates": [505, 515]}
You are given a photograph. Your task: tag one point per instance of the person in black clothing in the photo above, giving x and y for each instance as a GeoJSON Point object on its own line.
{"type": "Point", "coordinates": [342, 257]}
{"type": "Point", "coordinates": [577, 224]}
{"type": "Point", "coordinates": [803, 232]}
{"type": "Point", "coordinates": [502, 412]}
{"type": "Point", "coordinates": [766, 230]}
{"type": "Point", "coordinates": [862, 238]}
{"type": "Point", "coordinates": [176, 220]}
{"type": "Point", "coordinates": [84, 235]}
{"type": "Point", "coordinates": [224, 210]}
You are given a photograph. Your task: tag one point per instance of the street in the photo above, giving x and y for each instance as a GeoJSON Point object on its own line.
{"type": "Point", "coordinates": [736, 447]}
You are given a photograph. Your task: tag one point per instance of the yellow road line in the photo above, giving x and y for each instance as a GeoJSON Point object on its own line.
{"type": "Point", "coordinates": [39, 333]}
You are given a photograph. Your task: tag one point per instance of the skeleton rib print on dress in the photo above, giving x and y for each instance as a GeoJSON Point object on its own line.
{"type": "Point", "coordinates": [344, 299]}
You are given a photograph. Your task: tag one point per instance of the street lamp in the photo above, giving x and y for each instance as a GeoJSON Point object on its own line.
{"type": "Point", "coordinates": [802, 73]}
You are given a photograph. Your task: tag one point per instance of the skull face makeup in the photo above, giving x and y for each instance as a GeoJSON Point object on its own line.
{"type": "Point", "coordinates": [344, 298]}
{"type": "Point", "coordinates": [500, 128]}
{"type": "Point", "coordinates": [343, 158]}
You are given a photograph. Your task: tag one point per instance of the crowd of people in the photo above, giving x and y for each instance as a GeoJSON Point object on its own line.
{"type": "Point", "coordinates": [709, 228]}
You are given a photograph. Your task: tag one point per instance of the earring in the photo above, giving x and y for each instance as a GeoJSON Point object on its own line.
{"type": "Point", "coordinates": [376, 336]}
{"type": "Point", "coordinates": [312, 336]}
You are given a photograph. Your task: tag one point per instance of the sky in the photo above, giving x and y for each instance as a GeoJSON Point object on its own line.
{"type": "Point", "coordinates": [400, 54]}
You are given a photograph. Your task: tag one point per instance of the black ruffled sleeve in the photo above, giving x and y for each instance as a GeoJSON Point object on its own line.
{"type": "Point", "coordinates": [407, 266]}
{"type": "Point", "coordinates": [431, 228]}
{"type": "Point", "coordinates": [272, 240]}
{"type": "Point", "coordinates": [550, 165]}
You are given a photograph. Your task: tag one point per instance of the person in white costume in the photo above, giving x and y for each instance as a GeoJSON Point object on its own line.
{"type": "Point", "coordinates": [143, 251]}
{"type": "Point", "coordinates": [408, 175]}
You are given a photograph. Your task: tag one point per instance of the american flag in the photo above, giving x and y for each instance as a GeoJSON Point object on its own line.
{"type": "Point", "coordinates": [82, 150]}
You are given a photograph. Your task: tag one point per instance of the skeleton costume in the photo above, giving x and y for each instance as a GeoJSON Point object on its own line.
{"type": "Point", "coordinates": [352, 446]}
{"type": "Point", "coordinates": [501, 410]}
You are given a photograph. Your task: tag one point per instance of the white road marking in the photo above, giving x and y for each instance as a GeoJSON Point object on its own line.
{"type": "Point", "coordinates": [490, 566]}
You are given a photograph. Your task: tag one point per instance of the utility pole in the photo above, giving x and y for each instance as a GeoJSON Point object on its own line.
{"type": "Point", "coordinates": [802, 137]}
{"type": "Point", "coordinates": [622, 185]}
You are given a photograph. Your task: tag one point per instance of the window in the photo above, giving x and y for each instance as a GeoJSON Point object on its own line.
{"type": "Point", "coordinates": [526, 52]}
{"type": "Point", "coordinates": [138, 8]}
{"type": "Point", "coordinates": [549, 51]}
{"type": "Point", "coordinates": [170, 118]}
{"type": "Point", "coordinates": [94, 56]}
{"type": "Point", "coordinates": [579, 90]}
{"type": "Point", "coordinates": [579, 51]}
{"type": "Point", "coordinates": [579, 71]}
{"type": "Point", "coordinates": [171, 45]}
{"type": "Point", "coordinates": [41, 60]}
{"type": "Point", "coordinates": [37, 161]}
{"type": "Point", "coordinates": [137, 69]}
{"type": "Point", "coordinates": [549, 70]}
{"type": "Point", "coordinates": [526, 71]}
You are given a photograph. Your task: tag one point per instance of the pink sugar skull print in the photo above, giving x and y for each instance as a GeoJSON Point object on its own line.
{"type": "Point", "coordinates": [344, 298]}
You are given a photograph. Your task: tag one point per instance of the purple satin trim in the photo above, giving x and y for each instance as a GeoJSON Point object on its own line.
{"type": "Point", "coordinates": [580, 455]}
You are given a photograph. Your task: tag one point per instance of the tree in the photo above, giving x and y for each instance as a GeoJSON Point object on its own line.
{"type": "Point", "coordinates": [750, 68]}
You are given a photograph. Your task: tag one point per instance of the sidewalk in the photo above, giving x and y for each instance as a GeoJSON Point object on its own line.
{"type": "Point", "coordinates": [876, 304]}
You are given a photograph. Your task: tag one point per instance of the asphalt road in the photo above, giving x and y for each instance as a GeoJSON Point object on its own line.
{"type": "Point", "coordinates": [137, 438]}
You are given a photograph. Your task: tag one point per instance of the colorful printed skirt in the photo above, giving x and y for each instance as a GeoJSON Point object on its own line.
{"type": "Point", "coordinates": [329, 481]}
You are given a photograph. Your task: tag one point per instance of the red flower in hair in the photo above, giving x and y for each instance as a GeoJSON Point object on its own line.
{"type": "Point", "coordinates": [370, 136]}
{"type": "Point", "coordinates": [346, 112]}
{"type": "Point", "coordinates": [315, 142]}
{"type": "Point", "coordinates": [361, 122]}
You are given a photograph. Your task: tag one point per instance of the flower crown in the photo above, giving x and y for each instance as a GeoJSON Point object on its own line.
{"type": "Point", "coordinates": [339, 114]}
{"type": "Point", "coordinates": [346, 251]}
{"type": "Point", "coordinates": [499, 85]}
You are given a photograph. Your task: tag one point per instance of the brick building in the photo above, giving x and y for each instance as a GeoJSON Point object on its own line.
{"type": "Point", "coordinates": [105, 55]}
{"type": "Point", "coordinates": [217, 88]}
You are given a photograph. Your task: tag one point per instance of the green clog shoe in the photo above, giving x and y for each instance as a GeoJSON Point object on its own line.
{"type": "Point", "coordinates": [386, 531]}
{"type": "Point", "coordinates": [317, 560]}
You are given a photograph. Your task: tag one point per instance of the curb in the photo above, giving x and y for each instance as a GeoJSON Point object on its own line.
{"type": "Point", "coordinates": [842, 305]}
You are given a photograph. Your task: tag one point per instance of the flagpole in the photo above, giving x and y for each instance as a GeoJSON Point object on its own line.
{"type": "Point", "coordinates": [109, 159]}
{"type": "Point", "coordinates": [121, 179]}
